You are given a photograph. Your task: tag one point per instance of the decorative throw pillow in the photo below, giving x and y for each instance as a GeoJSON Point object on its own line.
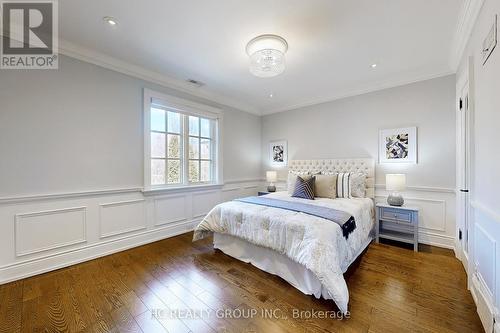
{"type": "Point", "coordinates": [344, 185]}
{"type": "Point", "coordinates": [358, 185]}
{"type": "Point", "coordinates": [292, 179]}
{"type": "Point", "coordinates": [325, 186]}
{"type": "Point", "coordinates": [304, 188]}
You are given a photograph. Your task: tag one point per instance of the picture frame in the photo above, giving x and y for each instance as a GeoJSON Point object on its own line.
{"type": "Point", "coordinates": [398, 145]}
{"type": "Point", "coordinates": [278, 153]}
{"type": "Point", "coordinates": [490, 41]}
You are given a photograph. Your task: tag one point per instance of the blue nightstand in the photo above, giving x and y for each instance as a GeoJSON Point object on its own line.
{"type": "Point", "coordinates": [398, 224]}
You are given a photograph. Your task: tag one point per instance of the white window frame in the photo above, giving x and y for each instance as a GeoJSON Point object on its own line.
{"type": "Point", "coordinates": [187, 108]}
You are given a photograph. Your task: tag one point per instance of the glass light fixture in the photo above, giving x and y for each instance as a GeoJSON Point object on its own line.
{"type": "Point", "coordinates": [267, 55]}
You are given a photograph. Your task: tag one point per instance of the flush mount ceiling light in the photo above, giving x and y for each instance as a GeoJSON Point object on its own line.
{"type": "Point", "coordinates": [110, 20]}
{"type": "Point", "coordinates": [267, 55]}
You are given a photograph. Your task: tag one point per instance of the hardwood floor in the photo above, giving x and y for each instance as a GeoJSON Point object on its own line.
{"type": "Point", "coordinates": [391, 290]}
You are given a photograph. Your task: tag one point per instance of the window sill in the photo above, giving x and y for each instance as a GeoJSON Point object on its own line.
{"type": "Point", "coordinates": [180, 189]}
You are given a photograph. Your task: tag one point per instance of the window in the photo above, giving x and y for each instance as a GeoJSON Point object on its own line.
{"type": "Point", "coordinates": [181, 142]}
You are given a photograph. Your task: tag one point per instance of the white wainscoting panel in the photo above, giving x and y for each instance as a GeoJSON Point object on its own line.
{"type": "Point", "coordinates": [249, 190]}
{"type": "Point", "coordinates": [204, 202]}
{"type": "Point", "coordinates": [485, 257]}
{"type": "Point", "coordinates": [49, 230]}
{"type": "Point", "coordinates": [170, 209]}
{"type": "Point", "coordinates": [229, 194]}
{"type": "Point", "coordinates": [485, 285]}
{"type": "Point", "coordinates": [433, 217]}
{"type": "Point", "coordinates": [117, 218]}
{"type": "Point", "coordinates": [52, 231]}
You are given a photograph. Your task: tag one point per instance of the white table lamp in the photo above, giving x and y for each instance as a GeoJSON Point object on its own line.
{"type": "Point", "coordinates": [271, 177]}
{"type": "Point", "coordinates": [395, 183]}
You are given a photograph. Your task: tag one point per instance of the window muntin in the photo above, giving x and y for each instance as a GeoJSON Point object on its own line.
{"type": "Point", "coordinates": [182, 148]}
{"type": "Point", "coordinates": [166, 147]}
{"type": "Point", "coordinates": [200, 150]}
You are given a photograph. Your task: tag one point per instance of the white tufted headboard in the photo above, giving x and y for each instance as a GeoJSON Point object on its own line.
{"type": "Point", "coordinates": [362, 165]}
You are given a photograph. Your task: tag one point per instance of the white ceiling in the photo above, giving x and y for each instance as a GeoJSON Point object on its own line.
{"type": "Point", "coordinates": [332, 44]}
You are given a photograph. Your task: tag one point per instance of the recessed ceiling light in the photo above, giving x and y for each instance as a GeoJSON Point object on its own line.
{"type": "Point", "coordinates": [110, 20]}
{"type": "Point", "coordinates": [374, 65]}
{"type": "Point", "coordinates": [271, 95]}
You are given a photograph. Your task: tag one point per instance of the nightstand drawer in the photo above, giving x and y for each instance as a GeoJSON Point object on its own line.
{"type": "Point", "coordinates": [395, 214]}
{"type": "Point", "coordinates": [396, 226]}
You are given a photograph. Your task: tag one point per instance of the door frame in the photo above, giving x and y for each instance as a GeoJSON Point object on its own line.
{"type": "Point", "coordinates": [465, 83]}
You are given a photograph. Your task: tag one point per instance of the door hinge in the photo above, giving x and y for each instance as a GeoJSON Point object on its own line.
{"type": "Point", "coordinates": [459, 234]}
{"type": "Point", "coordinates": [460, 103]}
{"type": "Point", "coordinates": [465, 191]}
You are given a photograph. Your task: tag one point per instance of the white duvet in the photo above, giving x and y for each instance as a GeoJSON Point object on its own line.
{"type": "Point", "coordinates": [311, 241]}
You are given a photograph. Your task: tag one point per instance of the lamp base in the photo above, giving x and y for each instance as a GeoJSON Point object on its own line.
{"type": "Point", "coordinates": [395, 199]}
{"type": "Point", "coordinates": [271, 188]}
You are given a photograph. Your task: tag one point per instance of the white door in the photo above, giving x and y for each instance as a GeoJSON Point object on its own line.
{"type": "Point", "coordinates": [463, 169]}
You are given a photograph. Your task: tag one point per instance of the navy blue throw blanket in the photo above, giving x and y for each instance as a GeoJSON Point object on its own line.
{"type": "Point", "coordinates": [343, 219]}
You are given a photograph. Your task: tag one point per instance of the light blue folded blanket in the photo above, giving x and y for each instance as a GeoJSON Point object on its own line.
{"type": "Point", "coordinates": [343, 219]}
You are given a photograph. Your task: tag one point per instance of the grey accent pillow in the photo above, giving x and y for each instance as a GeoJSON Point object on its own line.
{"type": "Point", "coordinates": [325, 186]}
{"type": "Point", "coordinates": [304, 188]}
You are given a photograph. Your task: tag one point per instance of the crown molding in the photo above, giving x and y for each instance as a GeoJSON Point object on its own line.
{"type": "Point", "coordinates": [356, 92]}
{"type": "Point", "coordinates": [99, 59]}
{"type": "Point", "coordinates": [96, 58]}
{"type": "Point", "coordinates": [470, 11]}
{"type": "Point", "coordinates": [466, 21]}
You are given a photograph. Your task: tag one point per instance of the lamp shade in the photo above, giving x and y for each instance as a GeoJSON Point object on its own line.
{"type": "Point", "coordinates": [271, 176]}
{"type": "Point", "coordinates": [395, 182]}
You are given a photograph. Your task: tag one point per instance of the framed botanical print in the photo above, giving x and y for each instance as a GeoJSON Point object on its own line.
{"type": "Point", "coordinates": [398, 145]}
{"type": "Point", "coordinates": [278, 155]}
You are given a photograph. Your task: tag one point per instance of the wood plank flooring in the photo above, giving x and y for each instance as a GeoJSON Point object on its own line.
{"type": "Point", "coordinates": [152, 287]}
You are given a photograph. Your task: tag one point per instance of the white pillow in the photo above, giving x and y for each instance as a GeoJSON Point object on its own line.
{"type": "Point", "coordinates": [292, 179]}
{"type": "Point", "coordinates": [358, 185]}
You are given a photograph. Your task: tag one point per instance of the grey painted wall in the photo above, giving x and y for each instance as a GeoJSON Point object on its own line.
{"type": "Point", "coordinates": [80, 128]}
{"type": "Point", "coordinates": [350, 127]}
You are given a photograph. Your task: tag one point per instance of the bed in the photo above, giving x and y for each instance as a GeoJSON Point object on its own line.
{"type": "Point", "coordinates": [309, 252]}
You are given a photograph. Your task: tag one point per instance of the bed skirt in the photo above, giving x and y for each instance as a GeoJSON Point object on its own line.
{"type": "Point", "coordinates": [272, 262]}
{"type": "Point", "coordinates": [275, 263]}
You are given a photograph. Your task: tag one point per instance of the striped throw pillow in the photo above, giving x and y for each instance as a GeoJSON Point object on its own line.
{"type": "Point", "coordinates": [344, 185]}
{"type": "Point", "coordinates": [304, 188]}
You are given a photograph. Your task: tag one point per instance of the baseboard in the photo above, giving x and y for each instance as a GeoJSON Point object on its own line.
{"type": "Point", "coordinates": [26, 269]}
{"type": "Point", "coordinates": [432, 239]}
{"type": "Point", "coordinates": [485, 308]}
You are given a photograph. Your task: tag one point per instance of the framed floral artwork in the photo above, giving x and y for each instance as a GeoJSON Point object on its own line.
{"type": "Point", "coordinates": [278, 155]}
